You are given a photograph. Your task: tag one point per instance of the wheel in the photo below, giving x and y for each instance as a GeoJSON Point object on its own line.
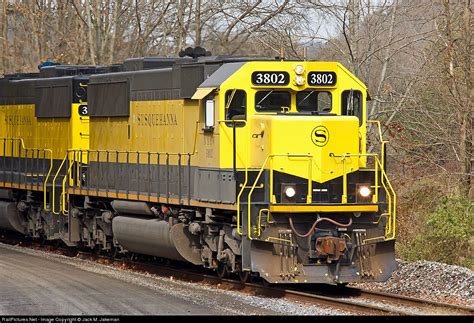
{"type": "Point", "coordinates": [244, 276]}
{"type": "Point", "coordinates": [221, 270]}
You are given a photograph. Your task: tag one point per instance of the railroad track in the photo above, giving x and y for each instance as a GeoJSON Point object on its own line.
{"type": "Point", "coordinates": [352, 300]}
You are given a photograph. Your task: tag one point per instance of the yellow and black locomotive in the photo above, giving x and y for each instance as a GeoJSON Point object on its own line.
{"type": "Point", "coordinates": [243, 165]}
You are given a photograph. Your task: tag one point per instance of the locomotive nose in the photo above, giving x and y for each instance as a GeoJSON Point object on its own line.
{"type": "Point", "coordinates": [309, 146]}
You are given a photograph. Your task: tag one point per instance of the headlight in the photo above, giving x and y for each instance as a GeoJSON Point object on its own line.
{"type": "Point", "coordinates": [290, 192]}
{"type": "Point", "coordinates": [364, 191]}
{"type": "Point", "coordinates": [299, 69]}
{"type": "Point", "coordinates": [299, 80]}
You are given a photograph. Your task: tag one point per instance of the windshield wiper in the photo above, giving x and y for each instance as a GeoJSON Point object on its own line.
{"type": "Point", "coordinates": [310, 93]}
{"type": "Point", "coordinates": [265, 97]}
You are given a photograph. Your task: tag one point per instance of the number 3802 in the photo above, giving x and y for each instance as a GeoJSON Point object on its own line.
{"type": "Point", "coordinates": [270, 78]}
{"type": "Point", "coordinates": [322, 78]}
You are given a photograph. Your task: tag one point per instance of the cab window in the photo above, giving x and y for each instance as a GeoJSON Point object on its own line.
{"type": "Point", "coordinates": [272, 101]}
{"type": "Point", "coordinates": [309, 101]}
{"type": "Point", "coordinates": [352, 104]}
{"type": "Point", "coordinates": [236, 107]}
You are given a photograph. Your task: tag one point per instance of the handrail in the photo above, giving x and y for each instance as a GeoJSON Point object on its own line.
{"type": "Point", "coordinates": [65, 210]}
{"type": "Point", "coordinates": [249, 197]}
{"type": "Point", "coordinates": [89, 153]}
{"type": "Point", "coordinates": [390, 229]}
{"type": "Point", "coordinates": [249, 205]}
{"type": "Point", "coordinates": [44, 150]}
{"type": "Point", "coordinates": [382, 141]}
{"type": "Point", "coordinates": [73, 158]}
{"type": "Point", "coordinates": [54, 185]}
{"type": "Point", "coordinates": [394, 204]}
{"type": "Point", "coordinates": [379, 126]}
{"type": "Point", "coordinates": [239, 229]}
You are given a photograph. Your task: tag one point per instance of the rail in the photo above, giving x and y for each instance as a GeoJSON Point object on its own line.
{"type": "Point", "coordinates": [272, 198]}
{"type": "Point", "coordinates": [115, 172]}
{"type": "Point", "coordinates": [234, 162]}
{"type": "Point", "coordinates": [30, 167]}
{"type": "Point", "coordinates": [381, 180]}
{"type": "Point", "coordinates": [85, 165]}
{"type": "Point", "coordinates": [383, 143]}
{"type": "Point", "coordinates": [379, 172]}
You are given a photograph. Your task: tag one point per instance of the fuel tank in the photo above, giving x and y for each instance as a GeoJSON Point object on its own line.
{"type": "Point", "coordinates": [157, 238]}
{"type": "Point", "coordinates": [10, 217]}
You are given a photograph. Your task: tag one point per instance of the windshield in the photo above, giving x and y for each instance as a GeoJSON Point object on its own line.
{"type": "Point", "coordinates": [309, 101]}
{"type": "Point", "coordinates": [272, 101]}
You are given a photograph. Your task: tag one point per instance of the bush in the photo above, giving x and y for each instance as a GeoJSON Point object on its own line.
{"type": "Point", "coordinates": [448, 235]}
{"type": "Point", "coordinates": [416, 201]}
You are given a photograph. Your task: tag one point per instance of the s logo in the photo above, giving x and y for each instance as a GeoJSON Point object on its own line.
{"type": "Point", "coordinates": [320, 136]}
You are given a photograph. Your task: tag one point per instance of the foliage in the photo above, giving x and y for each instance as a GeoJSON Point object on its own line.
{"type": "Point", "coordinates": [447, 236]}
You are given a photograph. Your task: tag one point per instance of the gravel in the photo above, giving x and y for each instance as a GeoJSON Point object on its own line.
{"type": "Point", "coordinates": [422, 279]}
{"type": "Point", "coordinates": [228, 302]}
{"type": "Point", "coordinates": [430, 280]}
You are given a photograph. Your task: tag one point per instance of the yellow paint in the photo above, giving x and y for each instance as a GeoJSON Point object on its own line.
{"type": "Point", "coordinates": [322, 208]}
{"type": "Point", "coordinates": [56, 134]}
{"type": "Point", "coordinates": [201, 93]}
{"type": "Point", "coordinates": [169, 126]}
{"type": "Point", "coordinates": [159, 127]}
{"type": "Point", "coordinates": [79, 133]}
{"type": "Point", "coordinates": [269, 133]}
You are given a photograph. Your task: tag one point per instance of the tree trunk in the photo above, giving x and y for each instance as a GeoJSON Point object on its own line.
{"type": "Point", "coordinates": [197, 14]}
{"type": "Point", "coordinates": [181, 39]}
{"type": "Point", "coordinates": [354, 19]}
{"type": "Point", "coordinates": [466, 153]}
{"type": "Point", "coordinates": [5, 51]}
{"type": "Point", "coordinates": [90, 36]}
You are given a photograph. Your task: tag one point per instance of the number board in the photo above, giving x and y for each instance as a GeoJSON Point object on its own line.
{"type": "Point", "coordinates": [322, 78]}
{"type": "Point", "coordinates": [270, 78]}
{"type": "Point", "coordinates": [83, 110]}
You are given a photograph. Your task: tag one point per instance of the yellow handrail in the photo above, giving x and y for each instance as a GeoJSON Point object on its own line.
{"type": "Point", "coordinates": [53, 209]}
{"type": "Point", "coordinates": [64, 210]}
{"type": "Point", "coordinates": [390, 229]}
{"type": "Point", "coordinates": [249, 197]}
{"type": "Point", "coordinates": [249, 204]}
{"type": "Point", "coordinates": [382, 141]}
{"type": "Point", "coordinates": [394, 204]}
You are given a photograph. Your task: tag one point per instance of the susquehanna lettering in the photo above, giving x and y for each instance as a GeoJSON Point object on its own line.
{"type": "Point", "coordinates": [157, 119]}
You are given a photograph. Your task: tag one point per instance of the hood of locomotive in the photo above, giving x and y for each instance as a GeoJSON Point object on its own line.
{"type": "Point", "coordinates": [305, 148]}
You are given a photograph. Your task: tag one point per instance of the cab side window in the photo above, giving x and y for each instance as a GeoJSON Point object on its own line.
{"type": "Point", "coordinates": [352, 104]}
{"type": "Point", "coordinates": [236, 106]}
